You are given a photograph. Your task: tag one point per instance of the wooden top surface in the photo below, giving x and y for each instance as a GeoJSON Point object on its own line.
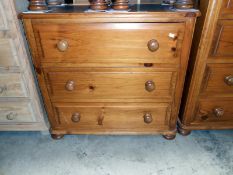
{"type": "Point", "coordinates": [137, 10]}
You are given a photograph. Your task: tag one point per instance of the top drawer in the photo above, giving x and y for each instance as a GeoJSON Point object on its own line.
{"type": "Point", "coordinates": [110, 42]}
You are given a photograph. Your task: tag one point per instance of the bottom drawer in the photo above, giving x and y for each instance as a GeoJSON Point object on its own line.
{"type": "Point", "coordinates": [14, 112]}
{"type": "Point", "coordinates": [138, 117]}
{"type": "Point", "coordinates": [215, 110]}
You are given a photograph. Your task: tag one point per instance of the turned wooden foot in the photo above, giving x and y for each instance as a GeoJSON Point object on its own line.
{"type": "Point", "coordinates": [57, 136]}
{"type": "Point", "coordinates": [183, 132]}
{"type": "Point", "coordinates": [169, 136]}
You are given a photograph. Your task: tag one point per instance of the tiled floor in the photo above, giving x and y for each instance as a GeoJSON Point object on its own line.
{"type": "Point", "coordinates": [201, 153]}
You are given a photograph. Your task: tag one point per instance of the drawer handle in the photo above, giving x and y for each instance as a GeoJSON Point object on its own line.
{"type": "Point", "coordinates": [218, 112]}
{"type": "Point", "coordinates": [148, 118]}
{"type": "Point", "coordinates": [172, 36]}
{"type": "Point", "coordinates": [11, 116]}
{"type": "Point", "coordinates": [100, 120]}
{"type": "Point", "coordinates": [62, 45]}
{"type": "Point", "coordinates": [70, 85]}
{"type": "Point", "coordinates": [76, 117]}
{"type": "Point", "coordinates": [229, 80]}
{"type": "Point", "coordinates": [101, 117]}
{"type": "Point", "coordinates": [153, 45]}
{"type": "Point", "coordinates": [2, 89]}
{"type": "Point", "coordinates": [150, 86]}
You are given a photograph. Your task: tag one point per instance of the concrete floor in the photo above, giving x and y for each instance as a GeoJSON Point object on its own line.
{"type": "Point", "coordinates": [201, 153]}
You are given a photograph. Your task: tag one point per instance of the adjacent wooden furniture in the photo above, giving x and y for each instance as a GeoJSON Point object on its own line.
{"type": "Point", "coordinates": [208, 99]}
{"type": "Point", "coordinates": [120, 73]}
{"type": "Point", "coordinates": [20, 107]}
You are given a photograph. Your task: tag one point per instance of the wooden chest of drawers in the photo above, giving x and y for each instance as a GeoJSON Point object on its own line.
{"type": "Point", "coordinates": [208, 99]}
{"type": "Point", "coordinates": [20, 105]}
{"type": "Point", "coordinates": [119, 73]}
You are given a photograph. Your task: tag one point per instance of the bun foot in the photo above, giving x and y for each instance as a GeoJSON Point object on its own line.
{"type": "Point", "coordinates": [169, 136]}
{"type": "Point", "coordinates": [57, 136]}
{"type": "Point", "coordinates": [183, 132]}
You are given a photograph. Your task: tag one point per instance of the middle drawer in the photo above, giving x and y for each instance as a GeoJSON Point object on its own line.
{"type": "Point", "coordinates": [111, 84]}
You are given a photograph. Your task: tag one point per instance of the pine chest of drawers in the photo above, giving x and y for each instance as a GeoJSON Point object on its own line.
{"type": "Point", "coordinates": [208, 102]}
{"type": "Point", "coordinates": [111, 73]}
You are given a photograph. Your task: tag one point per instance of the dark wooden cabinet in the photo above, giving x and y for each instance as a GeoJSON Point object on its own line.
{"type": "Point", "coordinates": [119, 73]}
{"type": "Point", "coordinates": [207, 101]}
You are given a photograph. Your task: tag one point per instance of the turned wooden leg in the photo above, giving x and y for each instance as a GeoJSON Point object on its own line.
{"type": "Point", "coordinates": [183, 132]}
{"type": "Point", "coordinates": [169, 136]}
{"type": "Point", "coordinates": [57, 136]}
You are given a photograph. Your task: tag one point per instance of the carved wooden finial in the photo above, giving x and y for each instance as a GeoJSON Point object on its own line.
{"type": "Point", "coordinates": [184, 4]}
{"type": "Point", "coordinates": [98, 5]}
{"type": "Point", "coordinates": [37, 5]}
{"type": "Point", "coordinates": [120, 4]}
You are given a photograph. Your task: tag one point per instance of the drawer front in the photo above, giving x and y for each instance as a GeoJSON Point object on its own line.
{"type": "Point", "coordinates": [110, 42]}
{"type": "Point", "coordinates": [3, 19]}
{"type": "Point", "coordinates": [115, 116]}
{"type": "Point", "coordinates": [111, 85]}
{"type": "Point", "coordinates": [8, 54]}
{"type": "Point", "coordinates": [12, 85]}
{"type": "Point", "coordinates": [13, 112]}
{"type": "Point", "coordinates": [222, 43]}
{"type": "Point", "coordinates": [215, 110]}
{"type": "Point", "coordinates": [218, 80]}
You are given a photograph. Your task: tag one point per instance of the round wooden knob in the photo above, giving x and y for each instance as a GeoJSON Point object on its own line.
{"type": "Point", "coordinates": [70, 85]}
{"type": "Point", "coordinates": [75, 117]}
{"type": "Point", "coordinates": [150, 86]}
{"type": "Point", "coordinates": [11, 116]}
{"type": "Point", "coordinates": [229, 80]}
{"type": "Point", "coordinates": [62, 45]}
{"type": "Point", "coordinates": [148, 118]}
{"type": "Point", "coordinates": [218, 112]}
{"type": "Point", "coordinates": [153, 45]}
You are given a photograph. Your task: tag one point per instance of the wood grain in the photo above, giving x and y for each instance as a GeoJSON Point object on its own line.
{"type": "Point", "coordinates": [8, 56]}
{"type": "Point", "coordinates": [223, 41]}
{"type": "Point", "coordinates": [3, 19]}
